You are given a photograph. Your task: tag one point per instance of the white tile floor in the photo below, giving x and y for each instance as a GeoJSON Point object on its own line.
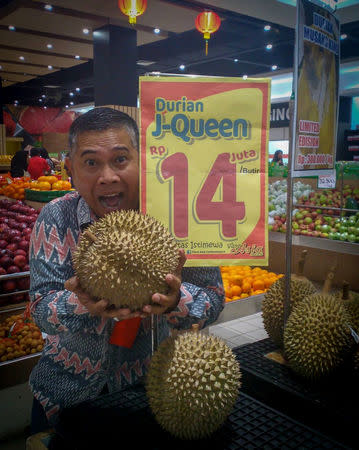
{"type": "Point", "coordinates": [241, 331]}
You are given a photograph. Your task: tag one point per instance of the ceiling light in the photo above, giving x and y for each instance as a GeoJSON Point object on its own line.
{"type": "Point", "coordinates": [157, 31]}
{"type": "Point", "coordinates": [143, 62]}
{"type": "Point", "coordinates": [11, 28]}
{"type": "Point", "coordinates": [49, 45]}
{"type": "Point", "coordinates": [45, 107]}
{"type": "Point", "coordinates": [274, 67]}
{"type": "Point", "coordinates": [71, 94]}
{"type": "Point", "coordinates": [43, 96]}
{"type": "Point", "coordinates": [343, 36]}
{"type": "Point", "coordinates": [235, 60]}
{"type": "Point", "coordinates": [66, 106]}
{"type": "Point", "coordinates": [48, 7]}
{"type": "Point", "coordinates": [77, 57]}
{"type": "Point", "coordinates": [269, 46]}
{"type": "Point", "coordinates": [40, 100]}
{"type": "Point", "coordinates": [22, 58]}
{"type": "Point", "coordinates": [245, 77]}
{"type": "Point", "coordinates": [85, 31]}
{"type": "Point", "coordinates": [77, 89]}
{"type": "Point", "coordinates": [182, 67]}
{"type": "Point", "coordinates": [71, 103]}
{"type": "Point", "coordinates": [50, 67]}
{"type": "Point", "coordinates": [267, 28]}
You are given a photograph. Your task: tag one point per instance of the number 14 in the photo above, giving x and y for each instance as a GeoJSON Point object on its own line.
{"type": "Point", "coordinates": [227, 211]}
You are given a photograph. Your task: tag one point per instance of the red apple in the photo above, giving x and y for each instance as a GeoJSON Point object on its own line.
{"type": "Point", "coordinates": [12, 269]}
{"type": "Point", "coordinates": [20, 261]}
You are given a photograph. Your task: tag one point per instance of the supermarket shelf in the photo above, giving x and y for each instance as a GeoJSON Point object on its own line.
{"type": "Point", "coordinates": [240, 308]}
{"type": "Point", "coordinates": [14, 275]}
{"type": "Point", "coordinates": [13, 293]}
{"type": "Point", "coordinates": [11, 308]}
{"type": "Point", "coordinates": [17, 371]}
{"type": "Point", "coordinates": [330, 245]}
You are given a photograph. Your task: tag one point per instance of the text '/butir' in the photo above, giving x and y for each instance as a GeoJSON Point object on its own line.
{"type": "Point", "coordinates": [187, 128]}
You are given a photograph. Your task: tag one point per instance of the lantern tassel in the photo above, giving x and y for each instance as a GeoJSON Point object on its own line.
{"type": "Point", "coordinates": [206, 47]}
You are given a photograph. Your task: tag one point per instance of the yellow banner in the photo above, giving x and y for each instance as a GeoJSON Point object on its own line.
{"type": "Point", "coordinates": [203, 154]}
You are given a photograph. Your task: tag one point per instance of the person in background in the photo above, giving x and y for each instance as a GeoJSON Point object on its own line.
{"type": "Point", "coordinates": [79, 362]}
{"type": "Point", "coordinates": [45, 155]}
{"type": "Point", "coordinates": [278, 158]}
{"type": "Point", "coordinates": [19, 162]}
{"type": "Point", "coordinates": [37, 165]}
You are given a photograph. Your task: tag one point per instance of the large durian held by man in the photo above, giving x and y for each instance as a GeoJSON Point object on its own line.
{"type": "Point", "coordinates": [124, 258]}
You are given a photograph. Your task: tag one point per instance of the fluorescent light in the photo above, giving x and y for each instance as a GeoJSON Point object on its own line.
{"type": "Point", "coordinates": [49, 45]}
{"type": "Point", "coordinates": [11, 28]}
{"type": "Point", "coordinates": [274, 67]}
{"type": "Point", "coordinates": [77, 57]}
{"type": "Point", "coordinates": [235, 60]}
{"type": "Point", "coordinates": [22, 58]}
{"type": "Point", "coordinates": [267, 28]}
{"type": "Point", "coordinates": [245, 77]}
{"type": "Point", "coordinates": [182, 67]}
{"type": "Point", "coordinates": [50, 67]}
{"type": "Point", "coordinates": [77, 89]}
{"type": "Point", "coordinates": [48, 7]}
{"type": "Point", "coordinates": [71, 94]}
{"type": "Point", "coordinates": [85, 31]}
{"type": "Point", "coordinates": [157, 31]}
{"type": "Point", "coordinates": [269, 46]}
{"type": "Point", "coordinates": [343, 36]}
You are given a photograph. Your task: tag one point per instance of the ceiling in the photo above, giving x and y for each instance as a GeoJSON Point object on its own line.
{"type": "Point", "coordinates": [33, 74]}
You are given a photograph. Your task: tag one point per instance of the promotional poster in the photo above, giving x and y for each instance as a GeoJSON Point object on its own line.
{"type": "Point", "coordinates": [203, 156]}
{"type": "Point", "coordinates": [317, 89]}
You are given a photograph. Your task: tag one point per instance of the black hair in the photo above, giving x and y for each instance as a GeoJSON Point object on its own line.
{"type": "Point", "coordinates": [35, 152]}
{"type": "Point", "coordinates": [43, 153]}
{"type": "Point", "coordinates": [276, 155]}
{"type": "Point", "coordinates": [101, 119]}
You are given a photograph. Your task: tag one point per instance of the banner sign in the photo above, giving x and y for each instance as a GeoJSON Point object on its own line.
{"type": "Point", "coordinates": [317, 84]}
{"type": "Point", "coordinates": [203, 155]}
{"type": "Point", "coordinates": [279, 115]}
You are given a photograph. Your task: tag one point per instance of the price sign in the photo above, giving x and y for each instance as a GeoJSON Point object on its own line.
{"type": "Point", "coordinates": [326, 181]}
{"type": "Point", "coordinates": [203, 154]}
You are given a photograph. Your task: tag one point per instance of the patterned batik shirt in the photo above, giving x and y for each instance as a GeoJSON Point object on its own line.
{"type": "Point", "coordinates": [77, 360]}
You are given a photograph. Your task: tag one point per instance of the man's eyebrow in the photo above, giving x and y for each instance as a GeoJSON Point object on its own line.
{"type": "Point", "coordinates": [93, 152]}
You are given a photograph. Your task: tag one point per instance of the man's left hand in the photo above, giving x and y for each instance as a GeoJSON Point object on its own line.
{"type": "Point", "coordinates": [166, 303]}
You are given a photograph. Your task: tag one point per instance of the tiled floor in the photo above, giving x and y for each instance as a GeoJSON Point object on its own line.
{"type": "Point", "coordinates": [241, 331]}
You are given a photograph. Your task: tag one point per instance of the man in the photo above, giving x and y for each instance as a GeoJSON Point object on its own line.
{"type": "Point", "coordinates": [78, 361]}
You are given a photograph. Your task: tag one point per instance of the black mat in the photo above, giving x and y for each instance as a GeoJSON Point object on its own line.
{"type": "Point", "coordinates": [330, 405]}
{"type": "Point", "coordinates": [124, 420]}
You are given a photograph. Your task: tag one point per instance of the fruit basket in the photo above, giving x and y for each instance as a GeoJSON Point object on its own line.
{"type": "Point", "coordinates": [43, 196]}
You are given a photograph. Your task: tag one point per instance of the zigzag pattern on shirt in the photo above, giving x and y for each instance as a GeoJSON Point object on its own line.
{"type": "Point", "coordinates": [52, 242]}
{"type": "Point", "coordinates": [101, 326]}
{"type": "Point", "coordinates": [138, 366]}
{"type": "Point", "coordinates": [53, 341]}
{"type": "Point", "coordinates": [75, 361]}
{"type": "Point", "coordinates": [53, 317]}
{"type": "Point", "coordinates": [45, 402]}
{"type": "Point", "coordinates": [80, 308]}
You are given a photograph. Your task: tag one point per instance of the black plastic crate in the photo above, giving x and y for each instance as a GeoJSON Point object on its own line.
{"type": "Point", "coordinates": [329, 405]}
{"type": "Point", "coordinates": [111, 420]}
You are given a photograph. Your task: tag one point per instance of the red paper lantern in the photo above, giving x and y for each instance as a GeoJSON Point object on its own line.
{"type": "Point", "coordinates": [207, 22]}
{"type": "Point", "coordinates": [132, 8]}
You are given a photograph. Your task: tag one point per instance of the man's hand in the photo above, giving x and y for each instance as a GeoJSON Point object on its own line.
{"type": "Point", "coordinates": [100, 308]}
{"type": "Point", "coordinates": [166, 303]}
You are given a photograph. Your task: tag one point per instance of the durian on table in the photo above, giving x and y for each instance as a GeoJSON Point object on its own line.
{"type": "Point", "coordinates": [192, 384]}
{"type": "Point", "coordinates": [124, 258]}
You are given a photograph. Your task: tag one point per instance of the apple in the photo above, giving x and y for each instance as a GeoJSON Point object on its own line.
{"type": "Point", "coordinates": [20, 261]}
{"type": "Point", "coordinates": [12, 269]}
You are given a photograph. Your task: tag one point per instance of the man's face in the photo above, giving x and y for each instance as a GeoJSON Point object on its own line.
{"type": "Point", "coordinates": [105, 170]}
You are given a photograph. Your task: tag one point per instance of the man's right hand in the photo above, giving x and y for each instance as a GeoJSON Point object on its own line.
{"type": "Point", "coordinates": [102, 307]}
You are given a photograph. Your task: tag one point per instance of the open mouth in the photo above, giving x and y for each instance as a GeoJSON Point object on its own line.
{"type": "Point", "coordinates": [111, 200]}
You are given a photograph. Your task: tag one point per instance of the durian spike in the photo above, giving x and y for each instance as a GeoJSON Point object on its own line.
{"type": "Point", "coordinates": [345, 290]}
{"type": "Point", "coordinates": [301, 263]}
{"type": "Point", "coordinates": [329, 280]}
{"type": "Point", "coordinates": [90, 235]}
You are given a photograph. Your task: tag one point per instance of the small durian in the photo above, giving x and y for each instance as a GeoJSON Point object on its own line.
{"type": "Point", "coordinates": [273, 306]}
{"type": "Point", "coordinates": [350, 300]}
{"type": "Point", "coordinates": [192, 384]}
{"type": "Point", "coordinates": [124, 258]}
{"type": "Point", "coordinates": [317, 336]}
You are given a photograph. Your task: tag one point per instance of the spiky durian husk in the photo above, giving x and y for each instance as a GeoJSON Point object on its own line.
{"type": "Point", "coordinates": [192, 384]}
{"type": "Point", "coordinates": [317, 336]}
{"type": "Point", "coordinates": [273, 307]}
{"type": "Point", "coordinates": [352, 306]}
{"type": "Point", "coordinates": [128, 261]}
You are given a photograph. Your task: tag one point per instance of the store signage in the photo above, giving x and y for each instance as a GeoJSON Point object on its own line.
{"type": "Point", "coordinates": [326, 181]}
{"type": "Point", "coordinates": [279, 115]}
{"type": "Point", "coordinates": [203, 153]}
{"type": "Point", "coordinates": [317, 68]}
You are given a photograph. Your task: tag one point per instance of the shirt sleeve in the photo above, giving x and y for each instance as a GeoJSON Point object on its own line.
{"type": "Point", "coordinates": [53, 308]}
{"type": "Point", "coordinates": [202, 298]}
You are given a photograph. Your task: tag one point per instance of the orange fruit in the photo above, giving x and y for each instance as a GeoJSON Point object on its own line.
{"type": "Point", "coordinates": [66, 185]}
{"type": "Point", "coordinates": [246, 287]}
{"type": "Point", "coordinates": [236, 290]}
{"type": "Point", "coordinates": [44, 186]}
{"type": "Point", "coordinates": [258, 284]}
{"type": "Point", "coordinates": [57, 186]}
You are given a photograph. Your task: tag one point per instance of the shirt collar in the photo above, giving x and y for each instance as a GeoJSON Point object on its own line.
{"type": "Point", "coordinates": [85, 216]}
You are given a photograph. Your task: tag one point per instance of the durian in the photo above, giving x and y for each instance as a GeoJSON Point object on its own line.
{"type": "Point", "coordinates": [350, 300]}
{"type": "Point", "coordinates": [124, 258]}
{"type": "Point", "coordinates": [273, 306]}
{"type": "Point", "coordinates": [317, 336]}
{"type": "Point", "coordinates": [192, 384]}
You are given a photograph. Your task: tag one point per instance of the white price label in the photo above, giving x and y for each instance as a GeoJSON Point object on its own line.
{"type": "Point", "coordinates": [326, 181]}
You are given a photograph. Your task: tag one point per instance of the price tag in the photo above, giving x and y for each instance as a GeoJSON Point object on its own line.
{"type": "Point", "coordinates": [326, 181]}
{"type": "Point", "coordinates": [203, 165]}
